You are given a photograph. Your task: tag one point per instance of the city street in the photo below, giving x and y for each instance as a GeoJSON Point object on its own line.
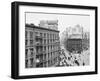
{"type": "Point", "coordinates": [72, 59]}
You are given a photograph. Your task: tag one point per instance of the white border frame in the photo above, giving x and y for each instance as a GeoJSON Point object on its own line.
{"type": "Point", "coordinates": [39, 71]}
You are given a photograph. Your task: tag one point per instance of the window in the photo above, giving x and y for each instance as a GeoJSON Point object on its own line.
{"type": "Point", "coordinates": [31, 62]}
{"type": "Point", "coordinates": [26, 53]}
{"type": "Point", "coordinates": [26, 64]}
{"type": "Point", "coordinates": [44, 41]}
{"type": "Point", "coordinates": [58, 36]}
{"type": "Point", "coordinates": [44, 35]}
{"type": "Point", "coordinates": [31, 34]}
{"type": "Point", "coordinates": [51, 40]}
{"type": "Point", "coordinates": [51, 54]}
{"type": "Point", "coordinates": [31, 51]}
{"type": "Point", "coordinates": [48, 41]}
{"type": "Point", "coordinates": [50, 35]}
{"type": "Point", "coordinates": [44, 48]}
{"type": "Point", "coordinates": [48, 47]}
{"type": "Point", "coordinates": [36, 33]}
{"type": "Point", "coordinates": [44, 56]}
{"type": "Point", "coordinates": [26, 42]}
{"type": "Point", "coordinates": [41, 34]}
{"type": "Point", "coordinates": [26, 33]}
{"type": "Point", "coordinates": [53, 36]}
{"type": "Point", "coordinates": [31, 42]}
{"type": "Point", "coordinates": [48, 56]}
{"type": "Point", "coordinates": [51, 47]}
{"type": "Point", "coordinates": [47, 35]}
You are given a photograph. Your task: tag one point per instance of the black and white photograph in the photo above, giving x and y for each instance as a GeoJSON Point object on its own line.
{"type": "Point", "coordinates": [50, 40]}
{"type": "Point", "coordinates": [56, 40]}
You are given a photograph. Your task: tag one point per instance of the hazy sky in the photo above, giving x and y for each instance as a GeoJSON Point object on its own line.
{"type": "Point", "coordinates": [64, 21]}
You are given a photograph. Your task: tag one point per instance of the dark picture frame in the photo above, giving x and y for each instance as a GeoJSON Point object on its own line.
{"type": "Point", "coordinates": [15, 39]}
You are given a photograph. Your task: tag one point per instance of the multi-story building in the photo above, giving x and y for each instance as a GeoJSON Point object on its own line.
{"type": "Point", "coordinates": [42, 46]}
{"type": "Point", "coordinates": [77, 40]}
{"type": "Point", "coordinates": [51, 24]}
{"type": "Point", "coordinates": [30, 53]}
{"type": "Point", "coordinates": [75, 47]}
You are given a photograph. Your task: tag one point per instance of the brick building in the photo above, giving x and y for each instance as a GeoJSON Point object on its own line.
{"type": "Point", "coordinates": [41, 45]}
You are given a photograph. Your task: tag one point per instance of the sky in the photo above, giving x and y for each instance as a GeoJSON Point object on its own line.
{"type": "Point", "coordinates": [64, 20]}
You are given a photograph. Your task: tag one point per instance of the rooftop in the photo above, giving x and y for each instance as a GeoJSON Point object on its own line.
{"type": "Point", "coordinates": [38, 27]}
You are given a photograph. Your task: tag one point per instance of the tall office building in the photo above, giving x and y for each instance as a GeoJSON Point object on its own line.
{"type": "Point", "coordinates": [77, 40]}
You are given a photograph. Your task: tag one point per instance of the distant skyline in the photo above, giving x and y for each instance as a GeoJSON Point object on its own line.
{"type": "Point", "coordinates": [64, 21]}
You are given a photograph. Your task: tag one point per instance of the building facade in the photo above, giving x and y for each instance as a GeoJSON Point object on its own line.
{"type": "Point", "coordinates": [30, 53]}
{"type": "Point", "coordinates": [77, 40]}
{"type": "Point", "coordinates": [41, 46]}
{"type": "Point", "coordinates": [50, 24]}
